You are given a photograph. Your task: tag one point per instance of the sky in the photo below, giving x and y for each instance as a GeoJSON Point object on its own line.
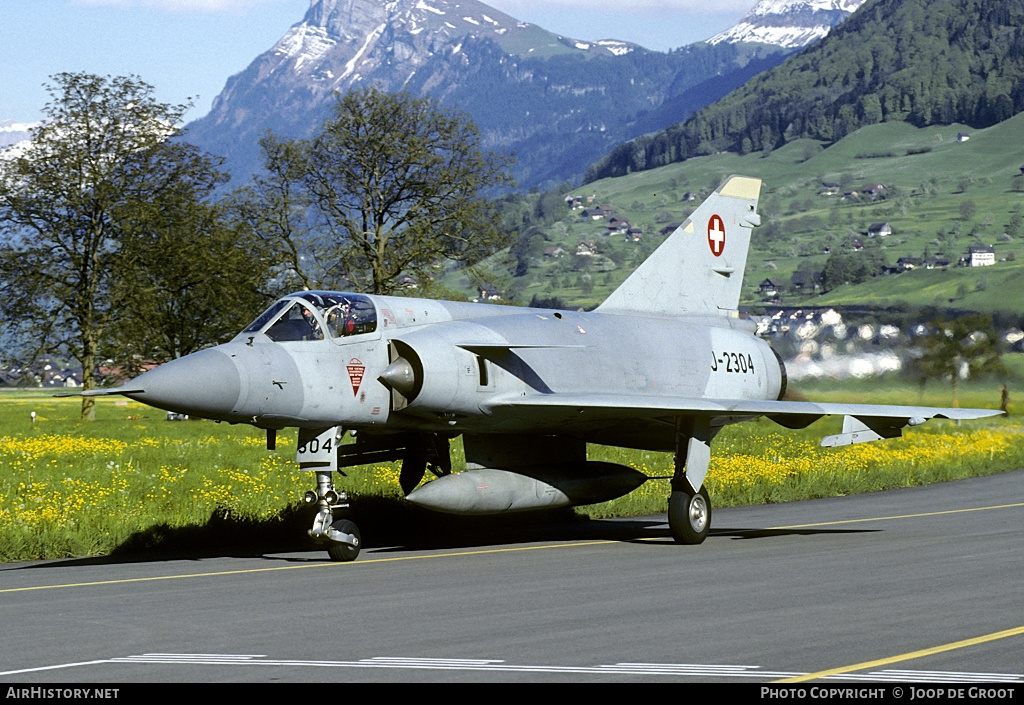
{"type": "Point", "coordinates": [187, 49]}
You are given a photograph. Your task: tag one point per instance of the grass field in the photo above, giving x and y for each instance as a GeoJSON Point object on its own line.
{"type": "Point", "coordinates": [132, 482]}
{"type": "Point", "coordinates": [995, 288]}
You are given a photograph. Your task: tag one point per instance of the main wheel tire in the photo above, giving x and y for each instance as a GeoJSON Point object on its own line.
{"type": "Point", "coordinates": [689, 516]}
{"type": "Point", "coordinates": [343, 552]}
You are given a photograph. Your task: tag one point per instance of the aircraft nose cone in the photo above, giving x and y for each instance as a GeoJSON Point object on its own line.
{"type": "Point", "coordinates": [205, 383]}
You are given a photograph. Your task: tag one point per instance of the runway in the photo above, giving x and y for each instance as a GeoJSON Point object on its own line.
{"type": "Point", "coordinates": [915, 585]}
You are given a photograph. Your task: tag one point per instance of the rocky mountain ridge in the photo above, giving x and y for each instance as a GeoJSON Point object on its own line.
{"type": "Point", "coordinates": [924, 62]}
{"type": "Point", "coordinates": [790, 24]}
{"type": "Point", "coordinates": [558, 103]}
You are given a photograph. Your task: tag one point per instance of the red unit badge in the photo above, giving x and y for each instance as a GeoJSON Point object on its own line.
{"type": "Point", "coordinates": [355, 374]}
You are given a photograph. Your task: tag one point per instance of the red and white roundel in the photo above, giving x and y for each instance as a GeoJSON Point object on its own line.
{"type": "Point", "coordinates": [716, 235]}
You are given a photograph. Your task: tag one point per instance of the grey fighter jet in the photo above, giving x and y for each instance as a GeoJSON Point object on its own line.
{"type": "Point", "coordinates": [663, 364]}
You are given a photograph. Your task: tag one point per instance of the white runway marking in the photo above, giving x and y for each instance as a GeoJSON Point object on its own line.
{"type": "Point", "coordinates": [455, 664]}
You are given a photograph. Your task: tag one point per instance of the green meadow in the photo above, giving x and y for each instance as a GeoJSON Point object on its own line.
{"type": "Point", "coordinates": [133, 484]}
{"type": "Point", "coordinates": [944, 196]}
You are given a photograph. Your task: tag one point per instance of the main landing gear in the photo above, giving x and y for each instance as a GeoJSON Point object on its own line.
{"type": "Point", "coordinates": [689, 510]}
{"type": "Point", "coordinates": [689, 515]}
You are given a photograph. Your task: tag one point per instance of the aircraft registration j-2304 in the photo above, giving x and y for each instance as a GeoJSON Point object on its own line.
{"type": "Point", "coordinates": [663, 365]}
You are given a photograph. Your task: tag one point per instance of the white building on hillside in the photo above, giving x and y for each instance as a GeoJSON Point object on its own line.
{"type": "Point", "coordinates": [981, 255]}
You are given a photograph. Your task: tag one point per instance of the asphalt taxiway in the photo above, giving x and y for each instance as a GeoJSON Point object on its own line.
{"type": "Point", "coordinates": [922, 584]}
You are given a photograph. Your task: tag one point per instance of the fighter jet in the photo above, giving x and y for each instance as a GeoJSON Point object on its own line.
{"type": "Point", "coordinates": [662, 365]}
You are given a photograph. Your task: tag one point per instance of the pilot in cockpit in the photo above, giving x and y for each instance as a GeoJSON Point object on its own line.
{"type": "Point", "coordinates": [314, 325]}
{"type": "Point", "coordinates": [297, 317]}
{"type": "Point", "coordinates": [297, 323]}
{"type": "Point", "coordinates": [340, 320]}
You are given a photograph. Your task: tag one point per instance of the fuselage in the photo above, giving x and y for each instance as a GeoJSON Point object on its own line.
{"type": "Point", "coordinates": [394, 364]}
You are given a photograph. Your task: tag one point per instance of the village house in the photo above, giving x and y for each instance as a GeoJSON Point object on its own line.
{"type": "Point", "coordinates": [597, 213]}
{"type": "Point", "coordinates": [771, 288]}
{"type": "Point", "coordinates": [616, 226]}
{"type": "Point", "coordinates": [488, 293]}
{"type": "Point", "coordinates": [935, 263]}
{"type": "Point", "coordinates": [63, 378]}
{"type": "Point", "coordinates": [804, 281]}
{"type": "Point", "coordinates": [45, 373]}
{"type": "Point", "coordinates": [875, 191]}
{"type": "Point", "coordinates": [980, 256]}
{"type": "Point", "coordinates": [879, 230]}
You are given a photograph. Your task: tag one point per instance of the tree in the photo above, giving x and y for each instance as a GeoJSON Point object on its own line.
{"type": "Point", "coordinates": [195, 279]}
{"type": "Point", "coordinates": [854, 268]}
{"type": "Point", "coordinates": [276, 209]}
{"type": "Point", "coordinates": [100, 169]}
{"type": "Point", "coordinates": [967, 346]}
{"type": "Point", "coordinates": [1013, 227]}
{"type": "Point", "coordinates": [394, 185]}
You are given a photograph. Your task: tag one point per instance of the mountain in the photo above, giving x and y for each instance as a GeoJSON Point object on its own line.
{"type": "Point", "coordinates": [558, 103]}
{"type": "Point", "coordinates": [12, 133]}
{"type": "Point", "coordinates": [791, 24]}
{"type": "Point", "coordinates": [925, 62]}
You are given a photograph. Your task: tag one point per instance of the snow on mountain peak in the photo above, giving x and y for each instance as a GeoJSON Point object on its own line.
{"type": "Point", "coordinates": [15, 134]}
{"type": "Point", "coordinates": [337, 38]}
{"type": "Point", "coordinates": [788, 23]}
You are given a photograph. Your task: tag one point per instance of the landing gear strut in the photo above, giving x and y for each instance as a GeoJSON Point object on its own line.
{"type": "Point", "coordinates": [689, 510]}
{"type": "Point", "coordinates": [320, 451]}
{"type": "Point", "coordinates": [317, 452]}
{"type": "Point", "coordinates": [342, 536]}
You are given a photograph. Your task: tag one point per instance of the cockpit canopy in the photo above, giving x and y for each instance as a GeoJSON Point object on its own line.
{"type": "Point", "coordinates": [307, 315]}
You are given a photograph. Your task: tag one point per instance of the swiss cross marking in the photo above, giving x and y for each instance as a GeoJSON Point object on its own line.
{"type": "Point", "coordinates": [716, 235]}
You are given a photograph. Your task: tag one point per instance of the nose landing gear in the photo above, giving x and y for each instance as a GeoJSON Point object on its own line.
{"type": "Point", "coordinates": [317, 451]}
{"type": "Point", "coordinates": [341, 536]}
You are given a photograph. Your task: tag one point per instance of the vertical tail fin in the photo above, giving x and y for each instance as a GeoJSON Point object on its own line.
{"type": "Point", "coordinates": [699, 268]}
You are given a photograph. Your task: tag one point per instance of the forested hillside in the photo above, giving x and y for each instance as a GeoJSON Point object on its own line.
{"type": "Point", "coordinates": [925, 62]}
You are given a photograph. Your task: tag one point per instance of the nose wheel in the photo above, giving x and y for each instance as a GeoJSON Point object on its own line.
{"type": "Point", "coordinates": [341, 536]}
{"type": "Point", "coordinates": [318, 452]}
{"type": "Point", "coordinates": [348, 548]}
